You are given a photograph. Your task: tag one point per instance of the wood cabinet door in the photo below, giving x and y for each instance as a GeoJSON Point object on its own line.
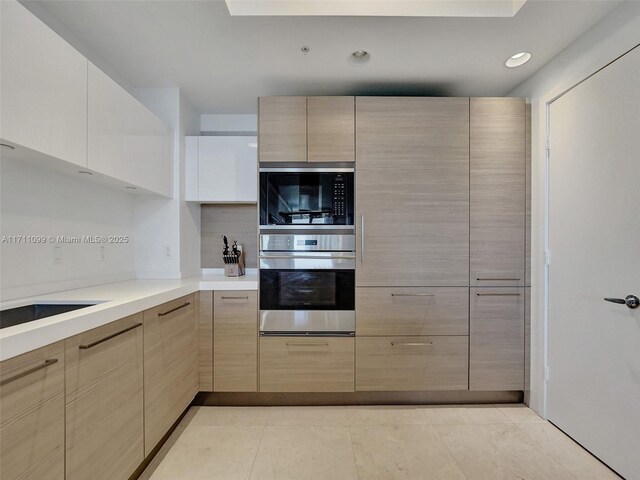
{"type": "Point", "coordinates": [43, 88]}
{"type": "Point", "coordinates": [282, 129]}
{"type": "Point", "coordinates": [412, 191]}
{"type": "Point", "coordinates": [498, 192]}
{"type": "Point", "coordinates": [496, 343]}
{"type": "Point", "coordinates": [331, 129]}
{"type": "Point", "coordinates": [32, 415]}
{"type": "Point", "coordinates": [104, 401]}
{"type": "Point", "coordinates": [235, 341]}
{"type": "Point", "coordinates": [170, 366]}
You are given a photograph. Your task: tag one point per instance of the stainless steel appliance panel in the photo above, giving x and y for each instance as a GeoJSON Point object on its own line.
{"type": "Point", "coordinates": [297, 322]}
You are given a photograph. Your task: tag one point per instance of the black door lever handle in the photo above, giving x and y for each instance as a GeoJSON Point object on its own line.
{"type": "Point", "coordinates": [630, 301]}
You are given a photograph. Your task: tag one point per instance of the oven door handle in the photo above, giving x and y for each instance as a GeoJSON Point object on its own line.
{"type": "Point", "coordinates": [314, 257]}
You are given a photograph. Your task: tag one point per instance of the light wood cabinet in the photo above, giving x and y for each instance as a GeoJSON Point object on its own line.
{"type": "Point", "coordinates": [282, 129]}
{"type": "Point", "coordinates": [170, 366]}
{"type": "Point", "coordinates": [32, 415]}
{"type": "Point", "coordinates": [330, 129]}
{"type": "Point", "coordinates": [204, 300]}
{"type": "Point", "coordinates": [235, 341]}
{"type": "Point", "coordinates": [125, 140]}
{"type": "Point", "coordinates": [298, 364]}
{"type": "Point", "coordinates": [496, 344]}
{"type": "Point", "coordinates": [412, 191]}
{"type": "Point", "coordinates": [384, 311]}
{"type": "Point", "coordinates": [104, 401]}
{"type": "Point", "coordinates": [497, 192]}
{"type": "Point", "coordinates": [412, 363]}
{"type": "Point", "coordinates": [43, 88]}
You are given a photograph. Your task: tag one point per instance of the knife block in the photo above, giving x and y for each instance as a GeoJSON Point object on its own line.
{"type": "Point", "coordinates": [234, 265]}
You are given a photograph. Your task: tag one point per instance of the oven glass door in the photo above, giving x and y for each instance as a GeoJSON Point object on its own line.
{"type": "Point", "coordinates": [306, 198]}
{"type": "Point", "coordinates": [307, 290]}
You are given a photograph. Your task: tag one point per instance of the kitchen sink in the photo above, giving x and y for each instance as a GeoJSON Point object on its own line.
{"type": "Point", "coordinates": [36, 311]}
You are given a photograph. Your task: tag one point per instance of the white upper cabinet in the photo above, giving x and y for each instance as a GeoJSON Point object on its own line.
{"type": "Point", "coordinates": [126, 141]}
{"type": "Point", "coordinates": [43, 88]}
{"type": "Point", "coordinates": [222, 169]}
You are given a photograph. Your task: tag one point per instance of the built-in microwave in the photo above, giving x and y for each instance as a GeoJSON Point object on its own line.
{"type": "Point", "coordinates": [306, 198]}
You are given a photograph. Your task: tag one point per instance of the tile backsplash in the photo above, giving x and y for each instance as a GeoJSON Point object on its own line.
{"type": "Point", "coordinates": [237, 222]}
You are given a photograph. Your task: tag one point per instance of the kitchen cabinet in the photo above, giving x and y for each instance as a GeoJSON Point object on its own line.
{"type": "Point", "coordinates": [412, 363]}
{"type": "Point", "coordinates": [299, 364]}
{"type": "Point", "coordinates": [170, 366]}
{"type": "Point", "coordinates": [32, 415]}
{"type": "Point", "coordinates": [497, 191]}
{"type": "Point", "coordinates": [235, 341]}
{"type": "Point", "coordinates": [104, 401]}
{"type": "Point", "coordinates": [384, 311]}
{"type": "Point", "coordinates": [43, 88]}
{"type": "Point", "coordinates": [125, 140]}
{"type": "Point", "coordinates": [496, 343]}
{"type": "Point", "coordinates": [330, 129]}
{"type": "Point", "coordinates": [412, 191]}
{"type": "Point", "coordinates": [282, 129]}
{"type": "Point", "coordinates": [222, 169]}
{"type": "Point", "coordinates": [204, 300]}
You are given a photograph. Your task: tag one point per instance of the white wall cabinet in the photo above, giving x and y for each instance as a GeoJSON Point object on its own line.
{"type": "Point", "coordinates": [126, 141]}
{"type": "Point", "coordinates": [222, 169]}
{"type": "Point", "coordinates": [43, 88]}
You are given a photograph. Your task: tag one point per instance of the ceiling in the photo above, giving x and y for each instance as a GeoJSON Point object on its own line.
{"type": "Point", "coordinates": [223, 62]}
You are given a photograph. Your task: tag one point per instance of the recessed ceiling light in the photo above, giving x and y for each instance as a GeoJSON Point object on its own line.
{"type": "Point", "coordinates": [10, 147]}
{"type": "Point", "coordinates": [304, 50]}
{"type": "Point", "coordinates": [359, 58]}
{"type": "Point", "coordinates": [518, 59]}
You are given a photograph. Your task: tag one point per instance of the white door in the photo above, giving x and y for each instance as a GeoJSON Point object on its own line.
{"type": "Point", "coordinates": [594, 237]}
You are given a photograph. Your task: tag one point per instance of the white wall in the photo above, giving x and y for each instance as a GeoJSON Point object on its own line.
{"type": "Point", "coordinates": [229, 123]}
{"type": "Point", "coordinates": [35, 201]}
{"type": "Point", "coordinates": [614, 35]}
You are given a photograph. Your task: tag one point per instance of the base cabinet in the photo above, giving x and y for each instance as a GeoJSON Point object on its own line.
{"type": "Point", "coordinates": [32, 415]}
{"type": "Point", "coordinates": [412, 363]}
{"type": "Point", "coordinates": [496, 345]}
{"type": "Point", "coordinates": [170, 366]}
{"type": "Point", "coordinates": [298, 364]}
{"type": "Point", "coordinates": [235, 341]}
{"type": "Point", "coordinates": [104, 401]}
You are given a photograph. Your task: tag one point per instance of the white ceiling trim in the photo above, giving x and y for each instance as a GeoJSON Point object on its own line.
{"type": "Point", "coordinates": [383, 8]}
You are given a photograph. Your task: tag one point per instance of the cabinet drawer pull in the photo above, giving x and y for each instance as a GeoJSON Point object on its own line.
{"type": "Point", "coordinates": [498, 294]}
{"type": "Point", "coordinates": [108, 337]}
{"type": "Point", "coordinates": [234, 298]}
{"type": "Point", "coordinates": [413, 294]}
{"type": "Point", "coordinates": [498, 279]}
{"type": "Point", "coordinates": [162, 314]}
{"type": "Point", "coordinates": [411, 344]}
{"type": "Point", "coordinates": [29, 371]}
{"type": "Point", "coordinates": [325, 344]}
{"type": "Point", "coordinates": [362, 238]}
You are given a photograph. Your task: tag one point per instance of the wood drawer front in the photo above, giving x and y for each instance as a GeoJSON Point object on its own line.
{"type": "Point", "coordinates": [32, 415]}
{"type": "Point", "coordinates": [298, 364]}
{"type": "Point", "coordinates": [104, 401]}
{"type": "Point", "coordinates": [235, 341]}
{"type": "Point", "coordinates": [170, 365]}
{"type": "Point", "coordinates": [496, 339]}
{"type": "Point", "coordinates": [412, 363]}
{"type": "Point", "coordinates": [412, 311]}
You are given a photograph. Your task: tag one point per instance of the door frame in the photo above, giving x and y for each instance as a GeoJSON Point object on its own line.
{"type": "Point", "coordinates": [540, 253]}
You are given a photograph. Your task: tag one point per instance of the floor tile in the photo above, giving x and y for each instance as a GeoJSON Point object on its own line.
{"type": "Point", "coordinates": [519, 413]}
{"type": "Point", "coordinates": [402, 452]}
{"type": "Point", "coordinates": [211, 453]}
{"type": "Point", "coordinates": [568, 453]}
{"type": "Point", "coordinates": [307, 416]}
{"type": "Point", "coordinates": [464, 415]}
{"type": "Point", "coordinates": [230, 416]}
{"type": "Point", "coordinates": [496, 452]}
{"type": "Point", "coordinates": [305, 453]}
{"type": "Point", "coordinates": [386, 415]}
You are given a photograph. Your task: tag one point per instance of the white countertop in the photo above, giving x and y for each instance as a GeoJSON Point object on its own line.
{"type": "Point", "coordinates": [113, 301]}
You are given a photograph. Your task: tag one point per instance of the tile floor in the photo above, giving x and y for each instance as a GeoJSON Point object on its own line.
{"type": "Point", "coordinates": [371, 443]}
